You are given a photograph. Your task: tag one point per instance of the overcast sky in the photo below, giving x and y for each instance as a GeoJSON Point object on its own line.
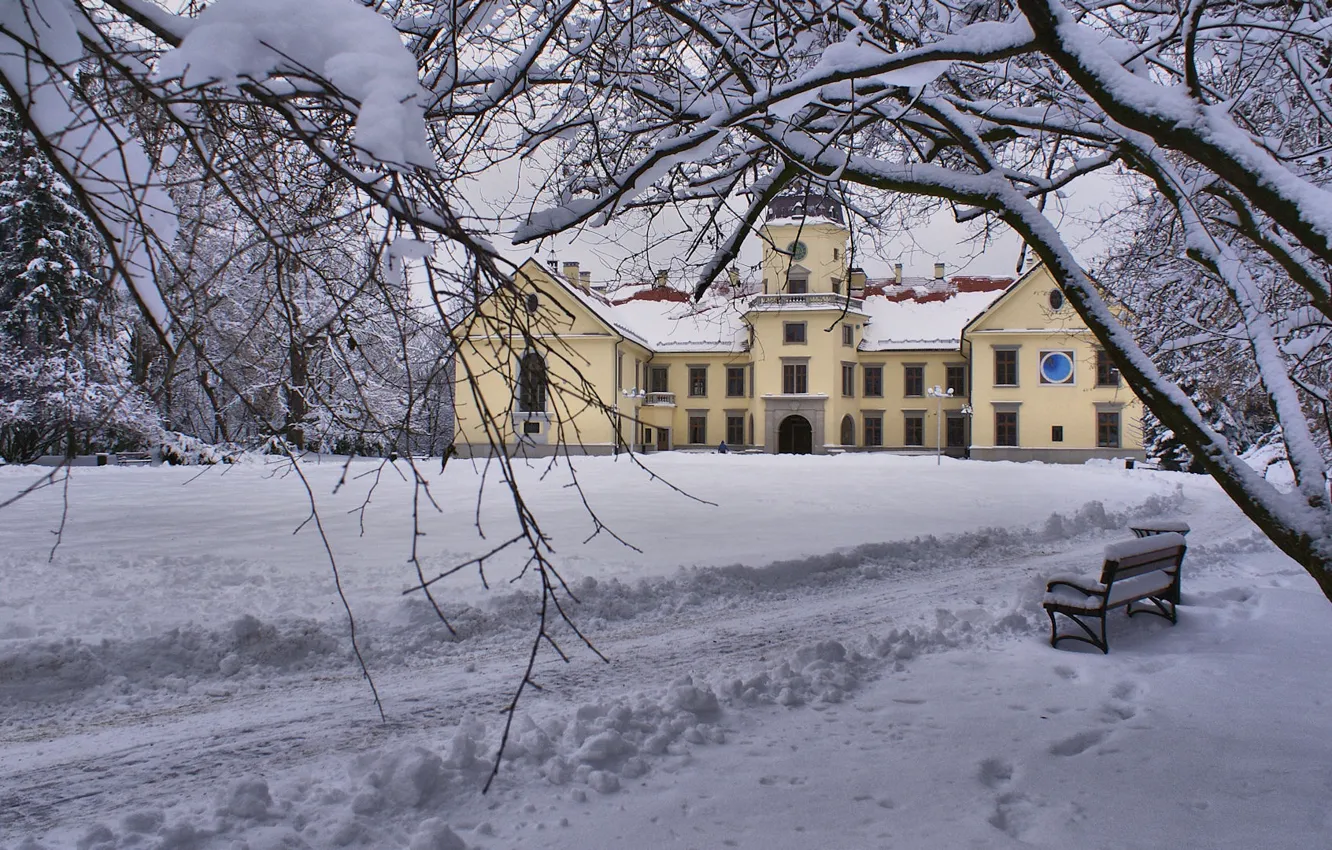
{"type": "Point", "coordinates": [627, 249]}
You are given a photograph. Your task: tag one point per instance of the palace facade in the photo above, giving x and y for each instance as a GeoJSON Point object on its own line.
{"type": "Point", "coordinates": [815, 358]}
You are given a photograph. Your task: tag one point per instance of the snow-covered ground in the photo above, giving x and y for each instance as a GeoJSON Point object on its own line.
{"type": "Point", "coordinates": [840, 652]}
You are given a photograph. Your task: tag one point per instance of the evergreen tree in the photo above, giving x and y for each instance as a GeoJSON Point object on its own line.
{"type": "Point", "coordinates": [62, 382]}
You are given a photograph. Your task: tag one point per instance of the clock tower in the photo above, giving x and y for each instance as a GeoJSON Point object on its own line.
{"type": "Point", "coordinates": [804, 245]}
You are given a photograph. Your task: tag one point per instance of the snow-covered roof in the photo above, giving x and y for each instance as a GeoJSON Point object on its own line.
{"type": "Point", "coordinates": [675, 326]}
{"type": "Point", "coordinates": [932, 320]}
{"type": "Point", "coordinates": [675, 323]}
{"type": "Point", "coordinates": [917, 313]}
{"type": "Point", "coordinates": [801, 221]}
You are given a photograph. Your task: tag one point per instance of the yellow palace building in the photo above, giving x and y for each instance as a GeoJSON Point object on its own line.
{"type": "Point", "coordinates": [814, 359]}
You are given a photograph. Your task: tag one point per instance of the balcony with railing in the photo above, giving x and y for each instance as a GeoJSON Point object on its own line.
{"type": "Point", "coordinates": [660, 400]}
{"type": "Point", "coordinates": [805, 300]}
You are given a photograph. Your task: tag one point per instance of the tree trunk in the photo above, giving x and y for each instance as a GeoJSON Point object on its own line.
{"type": "Point", "coordinates": [296, 403]}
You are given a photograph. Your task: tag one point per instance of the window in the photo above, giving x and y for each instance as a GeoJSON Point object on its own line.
{"type": "Point", "coordinates": [913, 429]}
{"type": "Point", "coordinates": [735, 381]}
{"type": "Point", "coordinates": [793, 333]}
{"type": "Point", "coordinates": [795, 378]}
{"type": "Point", "coordinates": [914, 380]}
{"type": "Point", "coordinates": [531, 427]}
{"type": "Point", "coordinates": [735, 429]}
{"type": "Point", "coordinates": [532, 302]}
{"type": "Point", "coordinates": [1056, 367]}
{"type": "Point", "coordinates": [797, 285]}
{"type": "Point", "coordinates": [955, 432]}
{"type": "Point", "coordinates": [848, 431]}
{"type": "Point", "coordinates": [873, 381]}
{"type": "Point", "coordinates": [1005, 428]}
{"type": "Point", "coordinates": [849, 380]}
{"type": "Point", "coordinates": [532, 383]}
{"type": "Point", "coordinates": [619, 371]}
{"type": "Point", "coordinates": [1107, 429]}
{"type": "Point", "coordinates": [1107, 374]}
{"type": "Point", "coordinates": [657, 379]}
{"type": "Point", "coordinates": [848, 336]}
{"type": "Point", "coordinates": [1056, 433]}
{"type": "Point", "coordinates": [1005, 367]}
{"type": "Point", "coordinates": [837, 253]}
{"type": "Point", "coordinates": [956, 380]}
{"type": "Point", "coordinates": [647, 434]}
{"type": "Point", "coordinates": [698, 381]}
{"type": "Point", "coordinates": [873, 430]}
{"type": "Point", "coordinates": [698, 427]}
{"type": "Point", "coordinates": [837, 286]}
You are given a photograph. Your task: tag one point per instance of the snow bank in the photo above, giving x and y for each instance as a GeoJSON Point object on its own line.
{"type": "Point", "coordinates": [182, 660]}
{"type": "Point", "coordinates": [251, 651]}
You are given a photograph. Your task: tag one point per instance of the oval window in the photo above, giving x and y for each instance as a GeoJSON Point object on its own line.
{"type": "Point", "coordinates": [798, 251]}
{"type": "Point", "coordinates": [1056, 367]}
{"type": "Point", "coordinates": [1056, 299]}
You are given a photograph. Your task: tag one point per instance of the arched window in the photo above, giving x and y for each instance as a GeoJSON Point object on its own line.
{"type": "Point", "coordinates": [848, 431]}
{"type": "Point", "coordinates": [532, 383]}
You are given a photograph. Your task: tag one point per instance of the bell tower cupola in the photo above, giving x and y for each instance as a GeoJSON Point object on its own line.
{"type": "Point", "coordinates": [804, 244]}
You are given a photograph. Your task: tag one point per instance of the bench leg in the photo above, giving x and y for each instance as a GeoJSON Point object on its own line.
{"type": "Point", "coordinates": [1098, 641]}
{"type": "Point", "coordinates": [1165, 607]}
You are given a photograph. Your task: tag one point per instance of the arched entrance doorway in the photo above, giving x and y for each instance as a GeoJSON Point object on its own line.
{"type": "Point", "coordinates": [795, 436]}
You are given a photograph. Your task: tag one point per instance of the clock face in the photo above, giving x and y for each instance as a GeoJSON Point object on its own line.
{"type": "Point", "coordinates": [798, 250]}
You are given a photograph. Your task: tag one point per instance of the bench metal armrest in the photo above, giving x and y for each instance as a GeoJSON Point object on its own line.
{"type": "Point", "coordinates": [1079, 585]}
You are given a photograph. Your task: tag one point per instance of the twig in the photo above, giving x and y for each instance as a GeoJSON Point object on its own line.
{"type": "Point", "coordinates": [337, 580]}
{"type": "Point", "coordinates": [64, 515]}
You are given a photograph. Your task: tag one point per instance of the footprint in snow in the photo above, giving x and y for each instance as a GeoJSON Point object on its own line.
{"type": "Point", "coordinates": [1124, 691]}
{"type": "Point", "coordinates": [995, 773]}
{"type": "Point", "coordinates": [1114, 712]}
{"type": "Point", "coordinates": [1013, 814]}
{"type": "Point", "coordinates": [1078, 743]}
{"type": "Point", "coordinates": [1067, 673]}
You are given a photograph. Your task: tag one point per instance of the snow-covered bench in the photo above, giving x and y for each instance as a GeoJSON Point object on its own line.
{"type": "Point", "coordinates": [134, 458]}
{"type": "Point", "coordinates": [1146, 568]}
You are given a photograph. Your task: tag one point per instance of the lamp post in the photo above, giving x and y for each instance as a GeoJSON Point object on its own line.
{"type": "Point", "coordinates": [938, 393]}
{"type": "Point", "coordinates": [636, 394]}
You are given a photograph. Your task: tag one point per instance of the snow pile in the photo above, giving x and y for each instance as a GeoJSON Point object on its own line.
{"type": "Point", "coordinates": [352, 47]}
{"type": "Point", "coordinates": [184, 660]}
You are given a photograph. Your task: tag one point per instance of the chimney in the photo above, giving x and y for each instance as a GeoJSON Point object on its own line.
{"type": "Point", "coordinates": [938, 271]}
{"type": "Point", "coordinates": [661, 282]}
{"type": "Point", "coordinates": [897, 272]}
{"type": "Point", "coordinates": [857, 278]}
{"type": "Point", "coordinates": [554, 265]}
{"type": "Point", "coordinates": [585, 280]}
{"type": "Point", "coordinates": [571, 272]}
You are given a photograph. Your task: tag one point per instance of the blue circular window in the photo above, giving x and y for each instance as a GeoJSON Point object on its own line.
{"type": "Point", "coordinates": [1056, 367]}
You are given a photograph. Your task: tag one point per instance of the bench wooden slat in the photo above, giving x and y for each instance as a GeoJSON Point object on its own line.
{"type": "Point", "coordinates": [1150, 562]}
